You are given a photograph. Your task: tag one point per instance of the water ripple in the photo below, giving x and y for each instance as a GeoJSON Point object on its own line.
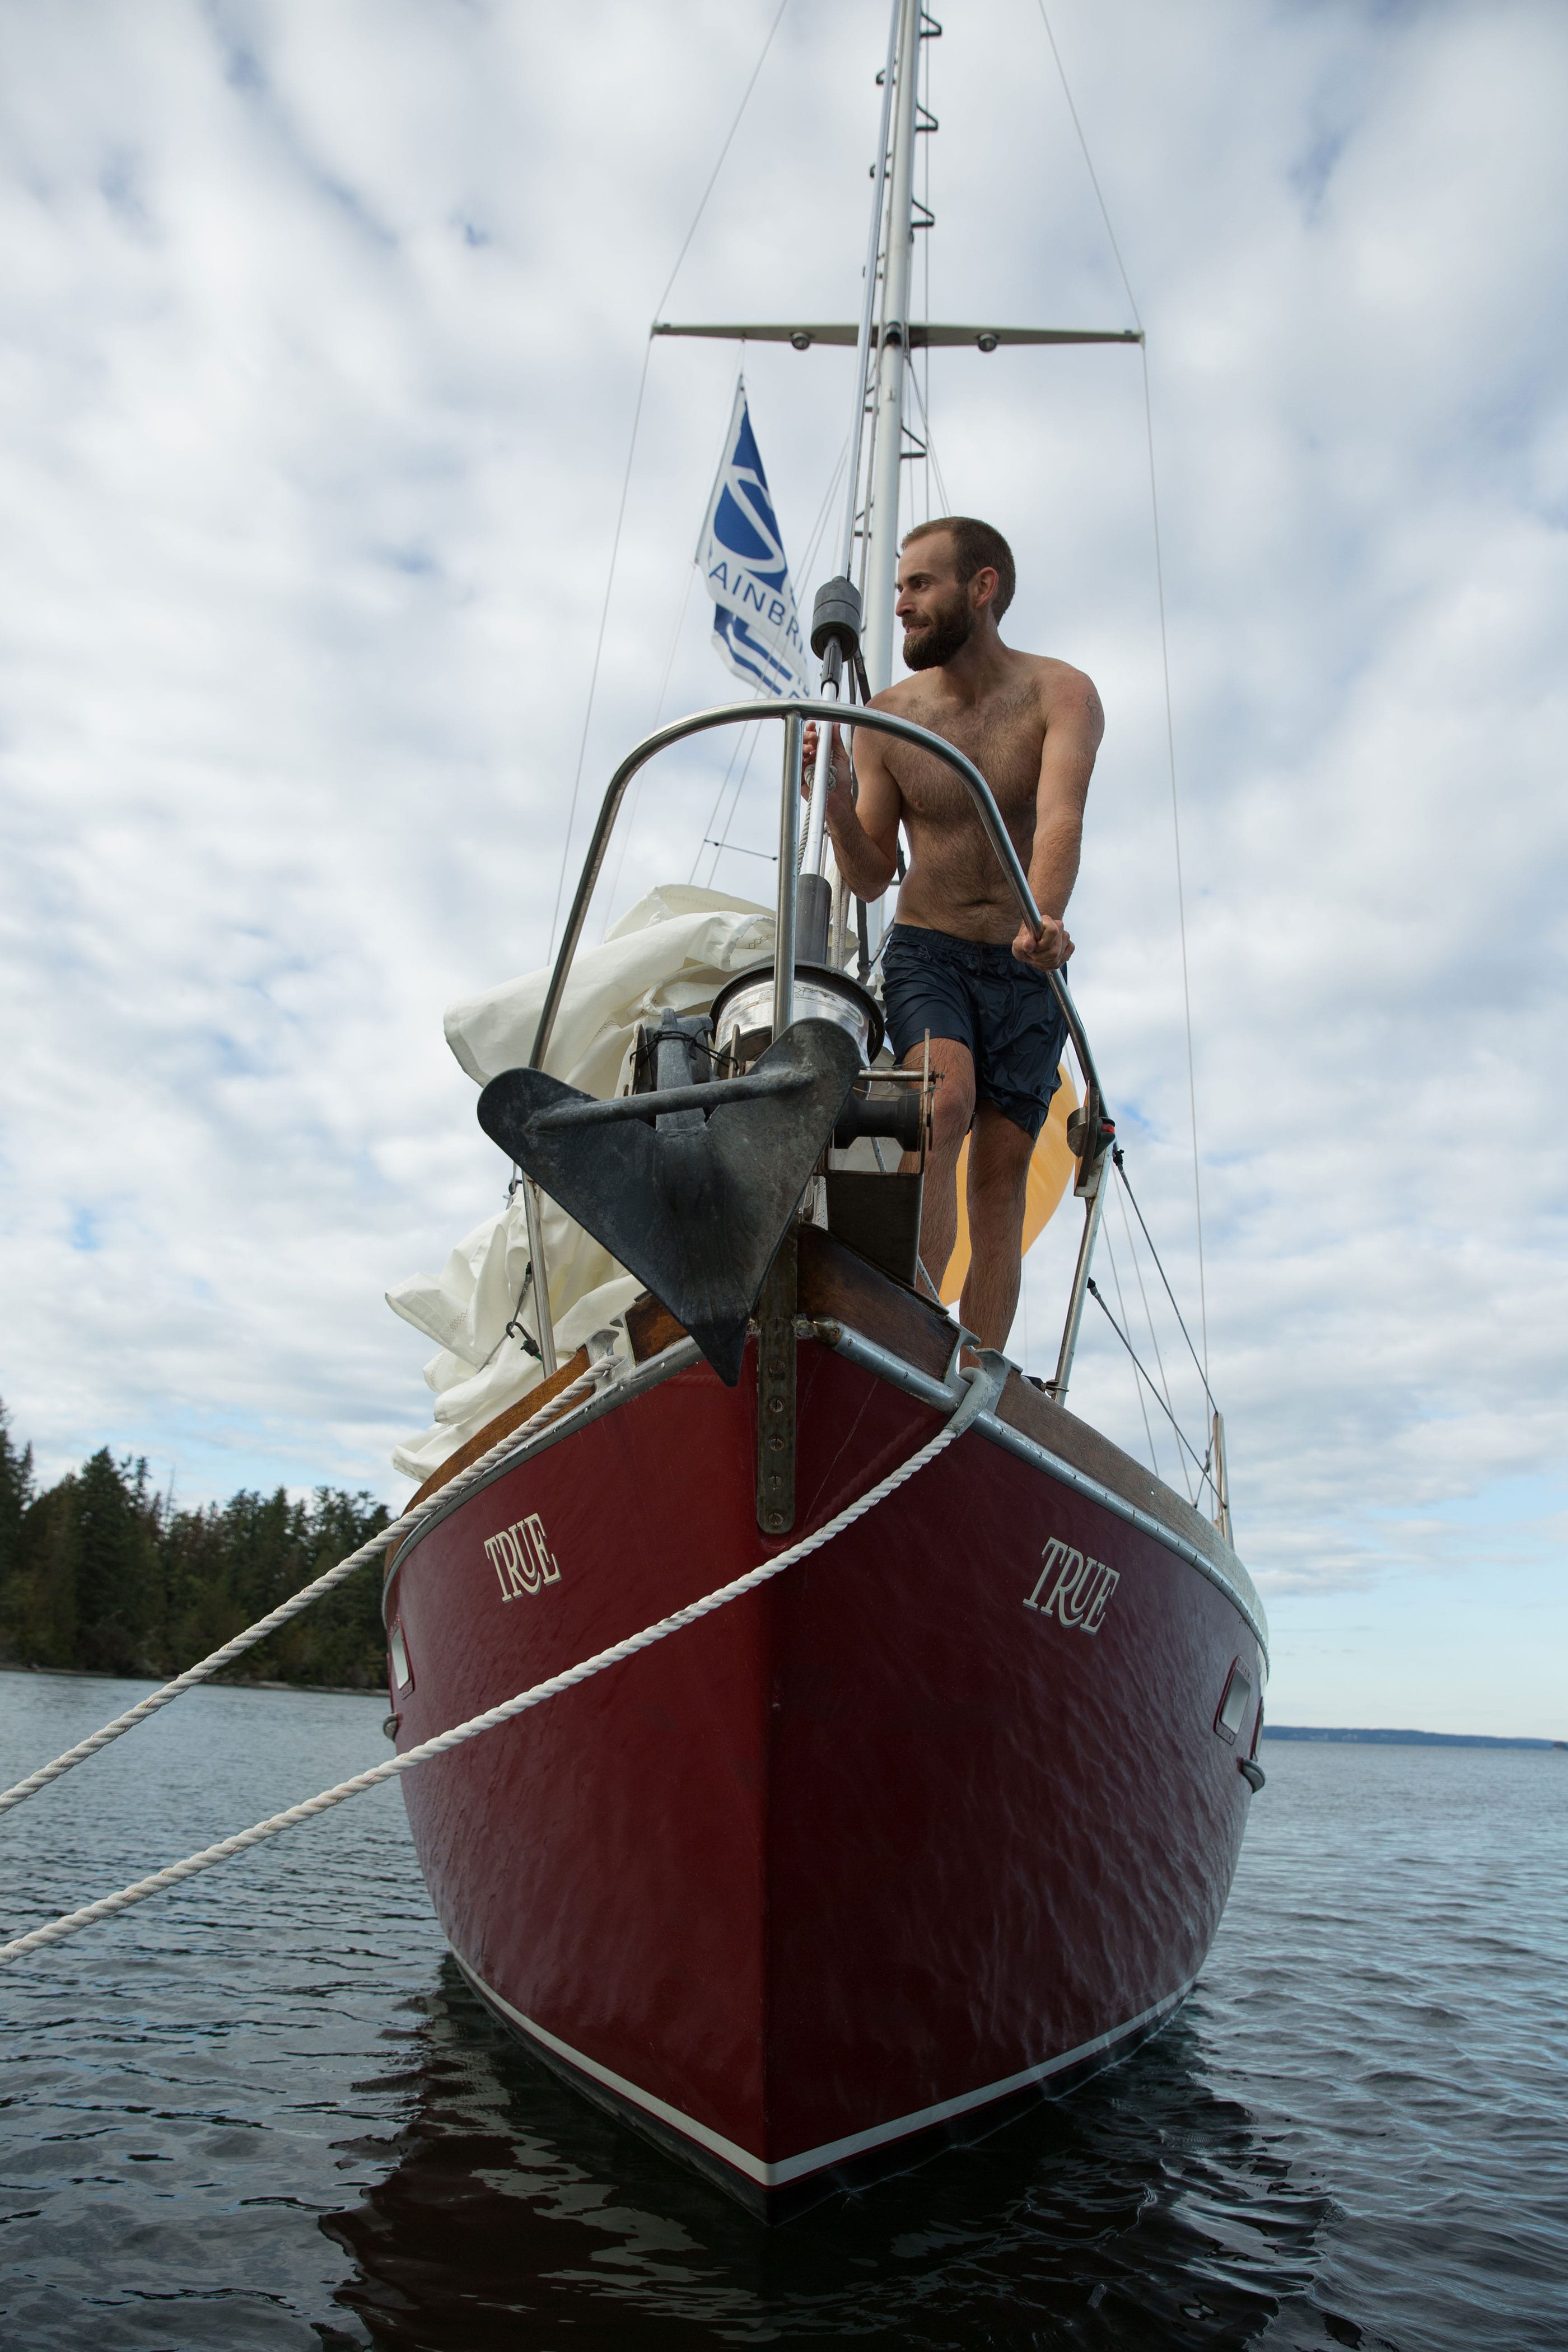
{"type": "Point", "coordinates": [265, 2110]}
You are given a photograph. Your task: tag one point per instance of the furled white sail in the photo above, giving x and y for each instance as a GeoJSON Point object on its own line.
{"type": "Point", "coordinates": [675, 948]}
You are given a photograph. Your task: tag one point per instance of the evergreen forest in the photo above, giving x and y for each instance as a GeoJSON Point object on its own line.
{"type": "Point", "coordinates": [102, 1573]}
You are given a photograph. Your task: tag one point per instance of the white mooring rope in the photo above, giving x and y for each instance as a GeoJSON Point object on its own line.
{"type": "Point", "coordinates": [983, 1384]}
{"type": "Point", "coordinates": [304, 1597]}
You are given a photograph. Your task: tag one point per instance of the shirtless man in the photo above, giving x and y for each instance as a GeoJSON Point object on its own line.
{"type": "Point", "coordinates": [958, 961]}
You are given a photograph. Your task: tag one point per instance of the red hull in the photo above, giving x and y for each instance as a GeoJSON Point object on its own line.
{"type": "Point", "coordinates": [877, 1846]}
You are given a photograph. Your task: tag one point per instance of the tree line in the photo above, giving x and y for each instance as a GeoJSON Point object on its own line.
{"type": "Point", "coordinates": [101, 1572]}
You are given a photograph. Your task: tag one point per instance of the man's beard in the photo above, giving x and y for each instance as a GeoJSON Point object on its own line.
{"type": "Point", "coordinates": [936, 644]}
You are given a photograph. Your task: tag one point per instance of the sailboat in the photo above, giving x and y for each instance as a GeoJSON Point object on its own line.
{"type": "Point", "coordinates": [942, 1816]}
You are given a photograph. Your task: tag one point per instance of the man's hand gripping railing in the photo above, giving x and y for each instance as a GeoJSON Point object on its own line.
{"type": "Point", "coordinates": [307, 1594]}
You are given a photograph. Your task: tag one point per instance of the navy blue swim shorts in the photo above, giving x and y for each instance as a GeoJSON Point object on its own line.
{"type": "Point", "coordinates": [983, 998]}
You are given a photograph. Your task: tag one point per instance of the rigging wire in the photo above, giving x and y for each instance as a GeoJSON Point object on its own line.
{"type": "Point", "coordinates": [631, 453]}
{"type": "Point", "coordinates": [724, 841]}
{"type": "Point", "coordinates": [1201, 1465]}
{"type": "Point", "coordinates": [933, 462]}
{"type": "Point", "coordinates": [598, 651]}
{"type": "Point", "coordinates": [1165, 671]}
{"type": "Point", "coordinates": [1176, 838]}
{"type": "Point", "coordinates": [1149, 1319]}
{"type": "Point", "coordinates": [1089, 166]}
{"type": "Point", "coordinates": [1137, 1384]}
{"type": "Point", "coordinates": [1143, 1295]}
{"type": "Point", "coordinates": [717, 801]}
{"type": "Point", "coordinates": [625, 828]}
{"type": "Point", "coordinates": [820, 527]}
{"type": "Point", "coordinates": [1121, 1172]}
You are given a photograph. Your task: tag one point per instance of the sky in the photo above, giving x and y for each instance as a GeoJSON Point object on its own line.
{"type": "Point", "coordinates": [321, 329]}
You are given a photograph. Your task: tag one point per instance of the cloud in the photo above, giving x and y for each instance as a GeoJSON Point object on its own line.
{"type": "Point", "coordinates": [322, 331]}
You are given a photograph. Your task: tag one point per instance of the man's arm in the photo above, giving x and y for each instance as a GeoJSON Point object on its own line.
{"type": "Point", "coordinates": [864, 833]}
{"type": "Point", "coordinates": [1074, 724]}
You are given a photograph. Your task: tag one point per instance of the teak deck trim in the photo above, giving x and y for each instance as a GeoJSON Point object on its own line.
{"type": "Point", "coordinates": [505, 1422]}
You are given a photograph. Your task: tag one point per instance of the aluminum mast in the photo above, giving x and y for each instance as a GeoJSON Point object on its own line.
{"type": "Point", "coordinates": [883, 339]}
{"type": "Point", "coordinates": [881, 394]}
{"type": "Point", "coordinates": [886, 470]}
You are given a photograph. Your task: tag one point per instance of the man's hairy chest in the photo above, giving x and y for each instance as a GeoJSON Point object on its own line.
{"type": "Point", "coordinates": [1004, 736]}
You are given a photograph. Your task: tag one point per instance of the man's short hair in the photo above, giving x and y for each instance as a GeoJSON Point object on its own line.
{"type": "Point", "coordinates": [976, 546]}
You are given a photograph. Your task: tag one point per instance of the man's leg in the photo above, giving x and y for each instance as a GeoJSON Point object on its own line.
{"type": "Point", "coordinates": [999, 1156]}
{"type": "Point", "coordinates": [952, 1110]}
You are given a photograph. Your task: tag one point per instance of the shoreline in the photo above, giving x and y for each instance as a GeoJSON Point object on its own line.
{"type": "Point", "coordinates": [1337, 1735]}
{"type": "Point", "coordinates": [217, 1682]}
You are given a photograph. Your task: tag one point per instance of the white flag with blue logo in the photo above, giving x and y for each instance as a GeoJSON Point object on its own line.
{"type": "Point", "coordinates": [755, 625]}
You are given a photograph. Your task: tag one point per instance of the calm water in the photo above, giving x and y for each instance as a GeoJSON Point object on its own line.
{"type": "Point", "coordinates": [263, 2111]}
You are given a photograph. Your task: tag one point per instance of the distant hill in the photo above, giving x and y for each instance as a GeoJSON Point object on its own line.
{"type": "Point", "coordinates": [1401, 1738]}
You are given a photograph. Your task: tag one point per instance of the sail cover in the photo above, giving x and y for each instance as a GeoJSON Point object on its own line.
{"type": "Point", "coordinates": [755, 625]}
